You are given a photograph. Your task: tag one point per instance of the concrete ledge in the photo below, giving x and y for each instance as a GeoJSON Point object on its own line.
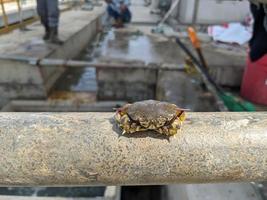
{"type": "Point", "coordinates": [60, 106]}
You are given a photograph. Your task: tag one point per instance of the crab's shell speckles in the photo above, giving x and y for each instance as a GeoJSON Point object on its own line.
{"type": "Point", "coordinates": [151, 109]}
{"type": "Point", "coordinates": [162, 117]}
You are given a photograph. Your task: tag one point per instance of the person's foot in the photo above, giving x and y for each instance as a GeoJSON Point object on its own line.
{"type": "Point", "coordinates": [118, 24]}
{"type": "Point", "coordinates": [53, 36]}
{"type": "Point", "coordinates": [55, 40]}
{"type": "Point", "coordinates": [47, 34]}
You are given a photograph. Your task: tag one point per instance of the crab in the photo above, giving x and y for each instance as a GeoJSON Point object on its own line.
{"type": "Point", "coordinates": [162, 117]}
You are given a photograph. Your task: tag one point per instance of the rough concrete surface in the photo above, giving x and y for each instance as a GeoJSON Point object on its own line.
{"type": "Point", "coordinates": [88, 149]}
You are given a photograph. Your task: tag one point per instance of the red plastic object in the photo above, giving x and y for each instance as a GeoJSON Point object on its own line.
{"type": "Point", "coordinates": [254, 85]}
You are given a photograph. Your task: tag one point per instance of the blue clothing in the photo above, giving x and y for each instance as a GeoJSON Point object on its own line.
{"type": "Point", "coordinates": [114, 11]}
{"type": "Point", "coordinates": [48, 12]}
{"type": "Point", "coordinates": [119, 2]}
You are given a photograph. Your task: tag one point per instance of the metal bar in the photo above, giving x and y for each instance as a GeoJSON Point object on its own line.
{"type": "Point", "coordinates": [170, 11]}
{"type": "Point", "coordinates": [20, 14]}
{"type": "Point", "coordinates": [19, 9]}
{"type": "Point", "coordinates": [4, 13]}
{"type": "Point", "coordinates": [88, 149]}
{"type": "Point", "coordinates": [78, 63]}
{"type": "Point", "coordinates": [195, 12]}
{"type": "Point", "coordinates": [11, 27]}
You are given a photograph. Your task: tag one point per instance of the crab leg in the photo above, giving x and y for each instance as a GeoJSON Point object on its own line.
{"type": "Point", "coordinates": [125, 124]}
{"type": "Point", "coordinates": [181, 115]}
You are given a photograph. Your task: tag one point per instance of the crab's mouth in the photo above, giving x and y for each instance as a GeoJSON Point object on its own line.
{"type": "Point", "coordinates": [154, 125]}
{"type": "Point", "coordinates": [148, 125]}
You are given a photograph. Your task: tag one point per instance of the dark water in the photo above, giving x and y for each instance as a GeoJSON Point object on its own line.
{"type": "Point", "coordinates": [143, 193]}
{"type": "Point", "coordinates": [262, 187]}
{"type": "Point", "coordinates": [78, 80]}
{"type": "Point", "coordinates": [54, 191]}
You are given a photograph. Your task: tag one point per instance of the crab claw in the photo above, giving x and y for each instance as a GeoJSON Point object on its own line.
{"type": "Point", "coordinates": [181, 115]}
{"type": "Point", "coordinates": [117, 117]}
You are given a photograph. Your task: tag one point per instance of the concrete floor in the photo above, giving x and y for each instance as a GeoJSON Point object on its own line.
{"type": "Point", "coordinates": [229, 191]}
{"type": "Point", "coordinates": [132, 44]}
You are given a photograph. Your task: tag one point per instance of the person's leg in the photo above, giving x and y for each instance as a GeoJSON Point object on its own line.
{"type": "Point", "coordinates": [43, 14]}
{"type": "Point", "coordinates": [53, 13]}
{"type": "Point", "coordinates": [127, 16]}
{"type": "Point", "coordinates": [258, 48]}
{"type": "Point", "coordinates": [116, 16]}
{"type": "Point", "coordinates": [112, 12]}
{"type": "Point", "coordinates": [53, 20]}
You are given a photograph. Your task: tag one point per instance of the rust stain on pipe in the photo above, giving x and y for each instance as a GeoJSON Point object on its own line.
{"type": "Point", "coordinates": [87, 149]}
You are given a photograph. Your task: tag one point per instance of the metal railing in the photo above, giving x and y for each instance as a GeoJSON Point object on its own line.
{"type": "Point", "coordinates": [5, 18]}
{"type": "Point", "coordinates": [19, 7]}
{"type": "Point", "coordinates": [88, 149]}
{"type": "Point", "coordinates": [12, 14]}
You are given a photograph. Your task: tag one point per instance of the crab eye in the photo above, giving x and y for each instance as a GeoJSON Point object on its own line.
{"type": "Point", "coordinates": [122, 112]}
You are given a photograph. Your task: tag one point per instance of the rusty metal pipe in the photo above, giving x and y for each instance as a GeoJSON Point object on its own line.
{"type": "Point", "coordinates": [88, 149]}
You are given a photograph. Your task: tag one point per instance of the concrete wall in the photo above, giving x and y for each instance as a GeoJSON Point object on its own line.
{"type": "Point", "coordinates": [212, 12]}
{"type": "Point", "coordinates": [172, 86]}
{"type": "Point", "coordinates": [184, 90]}
{"type": "Point", "coordinates": [126, 84]}
{"type": "Point", "coordinates": [20, 80]}
{"type": "Point", "coordinates": [226, 65]}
